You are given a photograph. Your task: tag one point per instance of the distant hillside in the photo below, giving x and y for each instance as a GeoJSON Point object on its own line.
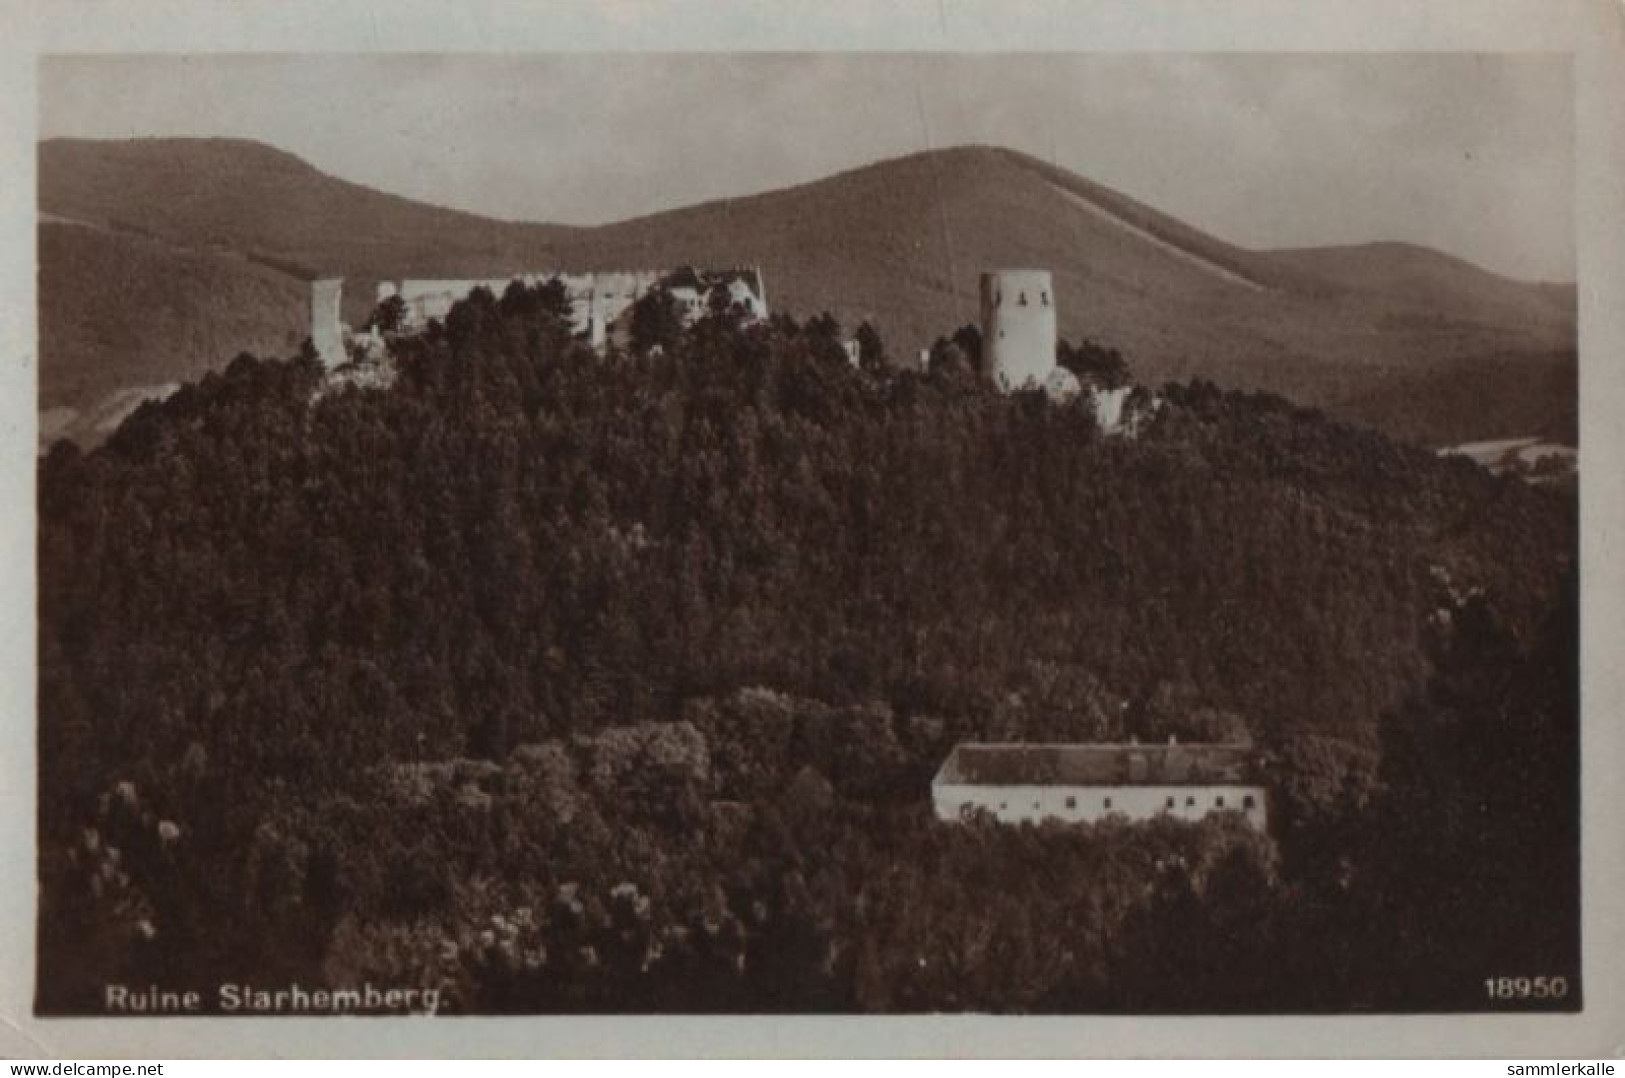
{"type": "Point", "coordinates": [249, 197]}
{"type": "Point", "coordinates": [900, 243]}
{"type": "Point", "coordinates": [1422, 278]}
{"type": "Point", "coordinates": [122, 314]}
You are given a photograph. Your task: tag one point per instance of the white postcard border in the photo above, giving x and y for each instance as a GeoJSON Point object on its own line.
{"type": "Point", "coordinates": [1592, 31]}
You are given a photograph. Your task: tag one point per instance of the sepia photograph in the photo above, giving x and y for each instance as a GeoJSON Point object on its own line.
{"type": "Point", "coordinates": [1097, 535]}
{"type": "Point", "coordinates": [775, 533]}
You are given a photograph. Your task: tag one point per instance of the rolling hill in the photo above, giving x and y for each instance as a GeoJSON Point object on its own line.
{"type": "Point", "coordinates": [1386, 334]}
{"type": "Point", "coordinates": [125, 316]}
{"type": "Point", "coordinates": [251, 198]}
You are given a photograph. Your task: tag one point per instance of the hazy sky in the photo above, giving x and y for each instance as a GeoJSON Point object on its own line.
{"type": "Point", "coordinates": [1472, 154]}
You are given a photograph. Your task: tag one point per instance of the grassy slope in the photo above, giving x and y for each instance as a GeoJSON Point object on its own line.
{"type": "Point", "coordinates": [1359, 330]}
{"type": "Point", "coordinates": [120, 311]}
{"type": "Point", "coordinates": [1421, 277]}
{"type": "Point", "coordinates": [249, 197]}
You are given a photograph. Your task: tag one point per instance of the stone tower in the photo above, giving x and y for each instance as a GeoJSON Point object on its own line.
{"type": "Point", "coordinates": [325, 334]}
{"type": "Point", "coordinates": [1018, 327]}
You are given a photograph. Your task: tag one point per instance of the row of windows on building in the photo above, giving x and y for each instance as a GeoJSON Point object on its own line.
{"type": "Point", "coordinates": [1021, 299]}
{"type": "Point", "coordinates": [1248, 803]}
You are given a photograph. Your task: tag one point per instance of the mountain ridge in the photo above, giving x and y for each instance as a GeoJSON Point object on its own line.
{"type": "Point", "coordinates": [899, 243]}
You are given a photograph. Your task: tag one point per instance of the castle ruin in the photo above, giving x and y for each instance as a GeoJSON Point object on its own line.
{"type": "Point", "coordinates": [326, 330]}
{"type": "Point", "coordinates": [600, 302]}
{"type": "Point", "coordinates": [1018, 328]}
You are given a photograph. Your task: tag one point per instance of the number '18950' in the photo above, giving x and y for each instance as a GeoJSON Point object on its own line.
{"type": "Point", "coordinates": [1526, 987]}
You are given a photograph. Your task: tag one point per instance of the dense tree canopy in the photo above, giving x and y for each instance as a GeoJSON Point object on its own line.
{"type": "Point", "coordinates": [1093, 364]}
{"type": "Point", "coordinates": [617, 683]}
{"type": "Point", "coordinates": [388, 315]}
{"type": "Point", "coordinates": [871, 349]}
{"type": "Point", "coordinates": [657, 322]}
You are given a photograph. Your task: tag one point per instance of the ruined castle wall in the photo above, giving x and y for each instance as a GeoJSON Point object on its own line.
{"type": "Point", "coordinates": [326, 332]}
{"type": "Point", "coordinates": [599, 301]}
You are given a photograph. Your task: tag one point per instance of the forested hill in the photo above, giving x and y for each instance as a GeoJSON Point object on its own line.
{"type": "Point", "coordinates": [671, 647]}
{"type": "Point", "coordinates": [1386, 334]}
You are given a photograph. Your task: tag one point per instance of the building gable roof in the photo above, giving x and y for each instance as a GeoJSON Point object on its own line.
{"type": "Point", "coordinates": [975, 764]}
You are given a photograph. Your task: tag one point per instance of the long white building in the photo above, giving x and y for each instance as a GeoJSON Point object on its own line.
{"type": "Point", "coordinates": [1084, 783]}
